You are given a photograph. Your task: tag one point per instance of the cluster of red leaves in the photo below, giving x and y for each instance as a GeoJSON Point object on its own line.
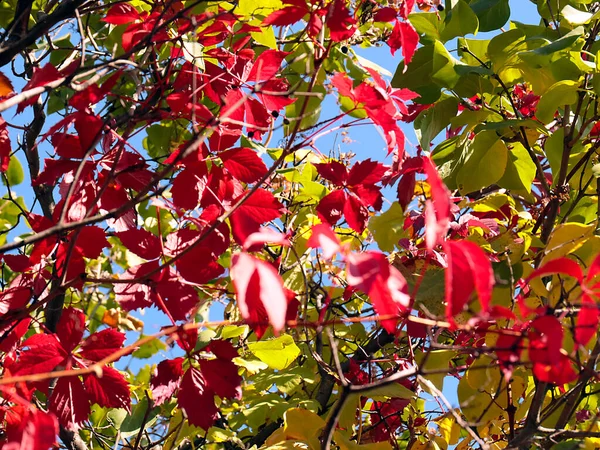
{"type": "Point", "coordinates": [544, 332]}
{"type": "Point", "coordinates": [384, 105]}
{"type": "Point", "coordinates": [525, 100]}
{"type": "Point", "coordinates": [355, 193]}
{"type": "Point", "coordinates": [71, 397]}
{"type": "Point", "coordinates": [197, 384]}
{"type": "Point", "coordinates": [335, 14]}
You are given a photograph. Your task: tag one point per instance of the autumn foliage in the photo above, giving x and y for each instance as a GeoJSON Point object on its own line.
{"type": "Point", "coordinates": [222, 225]}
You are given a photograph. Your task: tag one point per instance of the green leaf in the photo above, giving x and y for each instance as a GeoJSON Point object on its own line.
{"type": "Point", "coordinates": [388, 227]}
{"type": "Point", "coordinates": [14, 173]}
{"type": "Point", "coordinates": [428, 25]}
{"type": "Point", "coordinates": [149, 349]}
{"type": "Point", "coordinates": [492, 14]}
{"type": "Point", "coordinates": [576, 16]}
{"type": "Point", "coordinates": [443, 66]}
{"type": "Point", "coordinates": [417, 76]}
{"type": "Point", "coordinates": [460, 21]}
{"type": "Point", "coordinates": [311, 112]}
{"type": "Point", "coordinates": [520, 170]}
{"type": "Point", "coordinates": [485, 164]}
{"type": "Point", "coordinates": [277, 353]}
{"type": "Point", "coordinates": [142, 414]}
{"type": "Point", "coordinates": [560, 94]}
{"type": "Point", "coordinates": [431, 293]}
{"type": "Point", "coordinates": [433, 120]}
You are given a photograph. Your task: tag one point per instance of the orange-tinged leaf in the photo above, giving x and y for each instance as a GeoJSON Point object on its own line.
{"type": "Point", "coordinates": [6, 87]}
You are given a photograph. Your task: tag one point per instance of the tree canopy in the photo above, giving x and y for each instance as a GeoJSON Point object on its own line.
{"type": "Point", "coordinates": [202, 246]}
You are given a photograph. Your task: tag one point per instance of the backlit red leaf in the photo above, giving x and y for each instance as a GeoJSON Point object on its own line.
{"type": "Point", "coordinates": [588, 319]}
{"type": "Point", "coordinates": [333, 171]}
{"type": "Point", "coordinates": [469, 270]}
{"type": "Point", "coordinates": [111, 390]}
{"type": "Point", "coordinates": [70, 328]}
{"type": "Point", "coordinates": [36, 430]}
{"type": "Point", "coordinates": [267, 65]}
{"type": "Point", "coordinates": [386, 287]}
{"type": "Point", "coordinates": [244, 164]}
{"type": "Point", "coordinates": [5, 147]}
{"type": "Point", "coordinates": [258, 283]}
{"type": "Point", "coordinates": [323, 236]}
{"type": "Point", "coordinates": [165, 380]}
{"type": "Point", "coordinates": [141, 242]}
{"type": "Point", "coordinates": [70, 401]}
{"type": "Point", "coordinates": [196, 399]}
{"type": "Point", "coordinates": [102, 344]}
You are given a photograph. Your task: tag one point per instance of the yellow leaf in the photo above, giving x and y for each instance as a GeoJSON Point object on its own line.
{"type": "Point", "coordinates": [567, 238]}
{"type": "Point", "coordinates": [345, 444]}
{"type": "Point", "coordinates": [303, 425]}
{"type": "Point", "coordinates": [277, 353]}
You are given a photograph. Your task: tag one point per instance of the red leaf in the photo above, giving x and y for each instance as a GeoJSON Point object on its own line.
{"type": "Point", "coordinates": [43, 353]}
{"type": "Point", "coordinates": [196, 399]}
{"type": "Point", "coordinates": [165, 380]}
{"type": "Point", "coordinates": [36, 430]}
{"type": "Point", "coordinates": [102, 344]}
{"type": "Point", "coordinates": [141, 242]}
{"type": "Point", "coordinates": [333, 171]}
{"type": "Point", "coordinates": [135, 295]}
{"type": "Point", "coordinates": [369, 195]}
{"type": "Point", "coordinates": [13, 331]}
{"type": "Point", "coordinates": [593, 270]}
{"type": "Point", "coordinates": [556, 266]}
{"type": "Point", "coordinates": [180, 298]}
{"type": "Point", "coordinates": [258, 283]}
{"type": "Point", "coordinates": [469, 269]}
{"type": "Point", "coordinates": [89, 128]}
{"type": "Point", "coordinates": [244, 164]}
{"type": "Point", "coordinates": [5, 148]}
{"type": "Point", "coordinates": [70, 402]}
{"type": "Point", "coordinates": [111, 390]}
{"type": "Point", "coordinates": [340, 22]}
{"type": "Point", "coordinates": [90, 241]}
{"type": "Point", "coordinates": [121, 14]}
{"type": "Point", "coordinates": [366, 172]}
{"type": "Point", "coordinates": [331, 207]}
{"type": "Point", "coordinates": [199, 265]}
{"type": "Point", "coordinates": [395, 39]}
{"type": "Point", "coordinates": [356, 213]}
{"type": "Point", "coordinates": [257, 240]}
{"type": "Point", "coordinates": [262, 206]}
{"type": "Point", "coordinates": [386, 14]}
{"type": "Point", "coordinates": [371, 273]}
{"type": "Point", "coordinates": [223, 349]}
{"type": "Point", "coordinates": [288, 15]}
{"type": "Point", "coordinates": [267, 65]}
{"type": "Point", "coordinates": [406, 8]}
{"type": "Point", "coordinates": [70, 328]}
{"type": "Point", "coordinates": [188, 187]}
{"type": "Point", "coordinates": [438, 221]}
{"type": "Point", "coordinates": [222, 377]}
{"type": "Point", "coordinates": [588, 319]}
{"type": "Point", "coordinates": [410, 40]}
{"type": "Point", "coordinates": [67, 145]}
{"type": "Point", "coordinates": [14, 298]}
{"type": "Point", "coordinates": [324, 237]}
{"type": "Point", "coordinates": [41, 77]}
